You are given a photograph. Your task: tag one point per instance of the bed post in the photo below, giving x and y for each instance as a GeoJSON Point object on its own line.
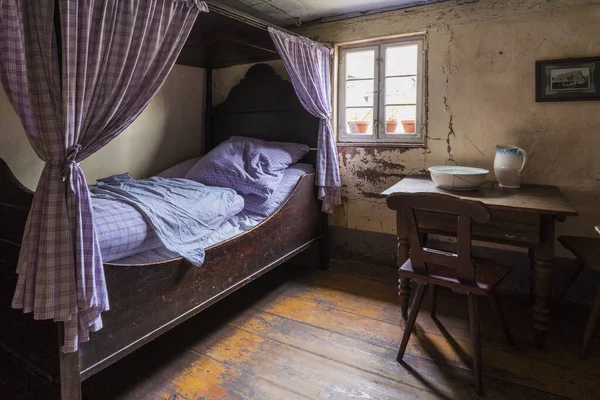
{"type": "Point", "coordinates": [208, 137]}
{"type": "Point", "coordinates": [70, 375]}
{"type": "Point", "coordinates": [70, 378]}
{"type": "Point", "coordinates": [324, 244]}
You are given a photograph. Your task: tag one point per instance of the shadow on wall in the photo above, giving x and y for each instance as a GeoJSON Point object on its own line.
{"type": "Point", "coordinates": [184, 104]}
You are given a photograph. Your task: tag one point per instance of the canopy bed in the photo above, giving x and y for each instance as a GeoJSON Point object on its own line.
{"type": "Point", "coordinates": [147, 299]}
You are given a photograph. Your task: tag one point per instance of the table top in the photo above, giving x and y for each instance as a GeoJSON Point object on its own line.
{"type": "Point", "coordinates": [540, 199]}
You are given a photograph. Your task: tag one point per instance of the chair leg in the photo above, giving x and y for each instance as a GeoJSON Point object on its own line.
{"type": "Point", "coordinates": [433, 298]}
{"type": "Point", "coordinates": [574, 273]}
{"type": "Point", "coordinates": [498, 311]}
{"type": "Point", "coordinates": [411, 319]}
{"type": "Point", "coordinates": [591, 325]}
{"type": "Point", "coordinates": [475, 341]}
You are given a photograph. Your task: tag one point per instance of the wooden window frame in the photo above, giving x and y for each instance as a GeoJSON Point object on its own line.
{"type": "Point", "coordinates": [380, 136]}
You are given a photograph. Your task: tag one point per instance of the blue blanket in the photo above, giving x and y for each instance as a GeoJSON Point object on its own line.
{"type": "Point", "coordinates": [183, 213]}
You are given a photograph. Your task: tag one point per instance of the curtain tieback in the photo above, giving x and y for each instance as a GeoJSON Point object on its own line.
{"type": "Point", "coordinates": [72, 152]}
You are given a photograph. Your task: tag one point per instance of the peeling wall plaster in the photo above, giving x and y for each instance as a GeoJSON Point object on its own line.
{"type": "Point", "coordinates": [481, 59]}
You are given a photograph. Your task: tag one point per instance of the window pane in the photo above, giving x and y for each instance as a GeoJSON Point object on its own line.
{"type": "Point", "coordinates": [360, 64]}
{"type": "Point", "coordinates": [400, 119]}
{"type": "Point", "coordinates": [359, 93]}
{"type": "Point", "coordinates": [401, 60]}
{"type": "Point", "coordinates": [359, 121]}
{"type": "Point", "coordinates": [401, 90]}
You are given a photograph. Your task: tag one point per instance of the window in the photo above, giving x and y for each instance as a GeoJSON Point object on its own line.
{"type": "Point", "coordinates": [381, 92]}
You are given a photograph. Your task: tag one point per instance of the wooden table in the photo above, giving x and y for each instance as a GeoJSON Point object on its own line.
{"type": "Point", "coordinates": [522, 217]}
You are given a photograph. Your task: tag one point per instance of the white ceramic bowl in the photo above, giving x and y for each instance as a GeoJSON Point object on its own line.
{"type": "Point", "coordinates": [458, 178]}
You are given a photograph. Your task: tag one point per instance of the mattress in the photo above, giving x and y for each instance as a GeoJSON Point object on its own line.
{"type": "Point", "coordinates": [126, 238]}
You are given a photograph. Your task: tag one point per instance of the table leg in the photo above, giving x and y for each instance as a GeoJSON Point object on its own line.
{"type": "Point", "coordinates": [543, 255]}
{"type": "Point", "coordinates": [404, 288]}
{"type": "Point", "coordinates": [531, 253]}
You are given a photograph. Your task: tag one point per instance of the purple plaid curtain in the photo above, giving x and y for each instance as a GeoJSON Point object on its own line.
{"type": "Point", "coordinates": [115, 56]}
{"type": "Point", "coordinates": [309, 66]}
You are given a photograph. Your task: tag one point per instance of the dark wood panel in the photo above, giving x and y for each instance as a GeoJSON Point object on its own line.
{"type": "Point", "coordinates": [12, 223]}
{"type": "Point", "coordinates": [504, 226]}
{"type": "Point", "coordinates": [219, 41]}
{"type": "Point", "coordinates": [265, 106]}
{"type": "Point", "coordinates": [13, 192]}
{"type": "Point", "coordinates": [9, 255]}
{"type": "Point", "coordinates": [228, 53]}
{"type": "Point", "coordinates": [35, 343]}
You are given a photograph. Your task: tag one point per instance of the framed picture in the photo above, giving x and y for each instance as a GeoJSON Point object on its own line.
{"type": "Point", "coordinates": [571, 79]}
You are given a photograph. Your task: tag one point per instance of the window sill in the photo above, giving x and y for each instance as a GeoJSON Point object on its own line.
{"type": "Point", "coordinates": [382, 145]}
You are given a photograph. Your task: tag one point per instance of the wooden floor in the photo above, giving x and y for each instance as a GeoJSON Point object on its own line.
{"type": "Point", "coordinates": [307, 334]}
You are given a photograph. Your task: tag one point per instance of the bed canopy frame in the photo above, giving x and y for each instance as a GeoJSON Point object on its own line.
{"type": "Point", "coordinates": [221, 38]}
{"type": "Point", "coordinates": [225, 37]}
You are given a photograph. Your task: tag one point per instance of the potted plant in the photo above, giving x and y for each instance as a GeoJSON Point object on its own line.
{"type": "Point", "coordinates": [409, 125]}
{"type": "Point", "coordinates": [360, 125]}
{"type": "Point", "coordinates": [392, 122]}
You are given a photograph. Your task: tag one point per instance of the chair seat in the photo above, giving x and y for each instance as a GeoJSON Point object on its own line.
{"type": "Point", "coordinates": [585, 248]}
{"type": "Point", "coordinates": [488, 274]}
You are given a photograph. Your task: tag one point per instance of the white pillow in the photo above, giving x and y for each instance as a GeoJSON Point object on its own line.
{"type": "Point", "coordinates": [179, 170]}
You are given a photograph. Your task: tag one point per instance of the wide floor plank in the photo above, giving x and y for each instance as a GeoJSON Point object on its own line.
{"type": "Point", "coordinates": [565, 335]}
{"type": "Point", "coordinates": [448, 383]}
{"type": "Point", "coordinates": [311, 374]}
{"type": "Point", "coordinates": [362, 318]}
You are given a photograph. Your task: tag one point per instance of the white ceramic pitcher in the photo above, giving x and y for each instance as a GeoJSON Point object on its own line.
{"type": "Point", "coordinates": [508, 165]}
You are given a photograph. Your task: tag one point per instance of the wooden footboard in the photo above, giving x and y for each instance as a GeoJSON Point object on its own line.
{"type": "Point", "coordinates": [147, 300]}
{"type": "Point", "coordinates": [33, 342]}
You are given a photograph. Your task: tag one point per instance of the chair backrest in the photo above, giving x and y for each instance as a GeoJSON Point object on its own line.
{"type": "Point", "coordinates": [406, 205]}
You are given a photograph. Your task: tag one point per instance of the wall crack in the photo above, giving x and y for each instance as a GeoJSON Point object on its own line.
{"type": "Point", "coordinates": [447, 106]}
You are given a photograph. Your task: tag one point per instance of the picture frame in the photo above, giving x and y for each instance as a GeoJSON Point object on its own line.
{"type": "Point", "coordinates": [570, 79]}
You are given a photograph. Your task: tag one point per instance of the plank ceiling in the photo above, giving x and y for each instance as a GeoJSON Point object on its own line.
{"type": "Point", "coordinates": [293, 12]}
{"type": "Point", "coordinates": [225, 37]}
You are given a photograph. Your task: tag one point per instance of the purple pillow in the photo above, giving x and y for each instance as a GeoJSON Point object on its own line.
{"type": "Point", "coordinates": [247, 165]}
{"type": "Point", "coordinates": [264, 208]}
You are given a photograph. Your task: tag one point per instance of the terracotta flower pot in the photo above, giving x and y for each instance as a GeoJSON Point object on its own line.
{"type": "Point", "coordinates": [358, 126]}
{"type": "Point", "coordinates": [390, 126]}
{"type": "Point", "coordinates": [409, 125]}
{"type": "Point", "coordinates": [353, 126]}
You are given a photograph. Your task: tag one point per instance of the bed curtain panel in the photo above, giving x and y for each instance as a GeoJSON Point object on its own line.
{"type": "Point", "coordinates": [309, 65]}
{"type": "Point", "coordinates": [74, 92]}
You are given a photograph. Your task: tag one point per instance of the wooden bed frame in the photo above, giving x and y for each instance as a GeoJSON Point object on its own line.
{"type": "Point", "coordinates": [148, 300]}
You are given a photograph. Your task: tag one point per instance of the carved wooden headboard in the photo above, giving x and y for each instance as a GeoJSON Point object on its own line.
{"type": "Point", "coordinates": [263, 106]}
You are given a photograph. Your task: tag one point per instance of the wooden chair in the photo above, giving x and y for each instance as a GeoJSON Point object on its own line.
{"type": "Point", "coordinates": [587, 251]}
{"type": "Point", "coordinates": [457, 271]}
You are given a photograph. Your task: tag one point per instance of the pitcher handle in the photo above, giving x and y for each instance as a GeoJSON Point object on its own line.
{"type": "Point", "coordinates": [523, 152]}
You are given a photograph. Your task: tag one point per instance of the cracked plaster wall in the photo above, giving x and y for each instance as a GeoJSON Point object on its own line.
{"type": "Point", "coordinates": [481, 80]}
{"type": "Point", "coordinates": [481, 59]}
